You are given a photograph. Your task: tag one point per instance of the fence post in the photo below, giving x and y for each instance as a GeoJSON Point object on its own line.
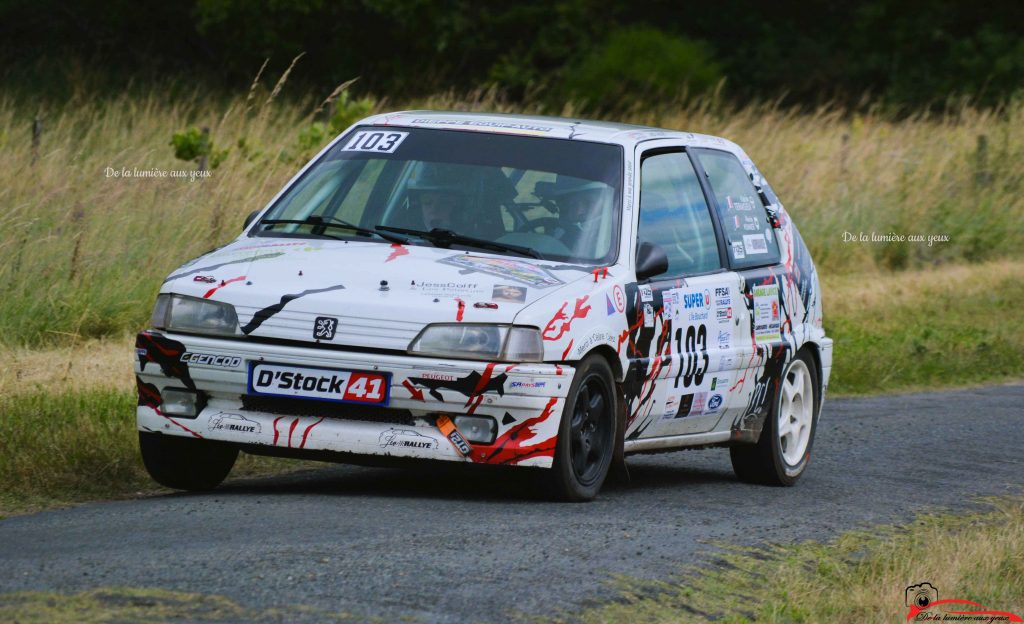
{"type": "Point", "coordinates": [982, 176]}
{"type": "Point", "coordinates": [206, 144]}
{"type": "Point", "coordinates": [37, 133]}
{"type": "Point", "coordinates": [842, 154]}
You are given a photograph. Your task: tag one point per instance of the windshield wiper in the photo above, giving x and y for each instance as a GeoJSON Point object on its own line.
{"type": "Point", "coordinates": [445, 238]}
{"type": "Point", "coordinates": [334, 222]}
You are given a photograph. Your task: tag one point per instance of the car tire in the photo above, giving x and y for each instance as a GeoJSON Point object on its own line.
{"type": "Point", "coordinates": [586, 434]}
{"type": "Point", "coordinates": [186, 463]}
{"type": "Point", "coordinates": [784, 449]}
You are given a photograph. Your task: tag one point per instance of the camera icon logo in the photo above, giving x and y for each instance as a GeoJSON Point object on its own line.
{"type": "Point", "coordinates": [921, 595]}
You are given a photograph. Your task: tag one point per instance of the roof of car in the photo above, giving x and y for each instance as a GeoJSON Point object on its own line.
{"type": "Point", "coordinates": [541, 125]}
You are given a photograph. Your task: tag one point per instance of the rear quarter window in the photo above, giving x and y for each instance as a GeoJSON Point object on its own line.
{"type": "Point", "coordinates": [749, 236]}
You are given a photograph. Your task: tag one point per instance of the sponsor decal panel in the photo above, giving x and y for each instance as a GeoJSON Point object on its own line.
{"type": "Point", "coordinates": [318, 383]}
{"type": "Point", "coordinates": [755, 244]}
{"type": "Point", "coordinates": [406, 438]}
{"type": "Point", "coordinates": [234, 423]}
{"type": "Point", "coordinates": [696, 304]}
{"type": "Point", "coordinates": [767, 321]}
{"type": "Point", "coordinates": [620, 299]}
{"type": "Point", "coordinates": [506, 292]}
{"type": "Point", "coordinates": [438, 376]}
{"type": "Point", "coordinates": [714, 404]}
{"type": "Point", "coordinates": [450, 431]}
{"type": "Point", "coordinates": [211, 359]}
{"type": "Point", "coordinates": [515, 270]}
{"type": "Point", "coordinates": [529, 384]}
{"type": "Point", "coordinates": [448, 290]}
{"type": "Point", "coordinates": [671, 406]}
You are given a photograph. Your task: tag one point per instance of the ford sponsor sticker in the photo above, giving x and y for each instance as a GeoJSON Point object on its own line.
{"type": "Point", "coordinates": [326, 384]}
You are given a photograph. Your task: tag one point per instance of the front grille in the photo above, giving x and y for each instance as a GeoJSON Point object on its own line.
{"type": "Point", "coordinates": [327, 409]}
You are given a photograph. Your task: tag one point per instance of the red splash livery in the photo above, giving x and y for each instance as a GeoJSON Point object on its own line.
{"type": "Point", "coordinates": [492, 289]}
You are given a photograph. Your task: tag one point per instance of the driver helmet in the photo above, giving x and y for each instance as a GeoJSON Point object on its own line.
{"type": "Point", "coordinates": [578, 199]}
{"type": "Point", "coordinates": [436, 196]}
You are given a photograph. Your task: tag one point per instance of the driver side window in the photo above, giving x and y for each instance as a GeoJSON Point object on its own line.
{"type": "Point", "coordinates": [675, 215]}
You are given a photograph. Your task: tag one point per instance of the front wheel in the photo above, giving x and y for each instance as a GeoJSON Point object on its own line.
{"type": "Point", "coordinates": [586, 435]}
{"type": "Point", "coordinates": [186, 463]}
{"type": "Point", "coordinates": [784, 449]}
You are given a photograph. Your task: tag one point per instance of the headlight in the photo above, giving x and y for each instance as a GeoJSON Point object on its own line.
{"type": "Point", "coordinates": [480, 342]}
{"type": "Point", "coordinates": [199, 316]}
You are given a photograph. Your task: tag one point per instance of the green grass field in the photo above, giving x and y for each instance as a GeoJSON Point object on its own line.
{"type": "Point", "coordinates": [85, 252]}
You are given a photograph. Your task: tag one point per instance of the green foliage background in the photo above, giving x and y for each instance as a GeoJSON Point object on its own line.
{"type": "Point", "coordinates": [610, 52]}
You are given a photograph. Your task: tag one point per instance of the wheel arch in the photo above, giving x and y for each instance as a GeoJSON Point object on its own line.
{"type": "Point", "coordinates": [618, 467]}
{"type": "Point", "coordinates": [814, 349]}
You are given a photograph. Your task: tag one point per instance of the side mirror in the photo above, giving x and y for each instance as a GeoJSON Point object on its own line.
{"type": "Point", "coordinates": [651, 260]}
{"type": "Point", "coordinates": [250, 219]}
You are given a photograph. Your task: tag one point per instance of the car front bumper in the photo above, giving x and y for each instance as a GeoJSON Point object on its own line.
{"type": "Point", "coordinates": [525, 401]}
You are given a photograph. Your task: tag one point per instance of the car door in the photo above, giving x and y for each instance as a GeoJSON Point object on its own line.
{"type": "Point", "coordinates": [691, 310]}
{"type": "Point", "coordinates": [753, 253]}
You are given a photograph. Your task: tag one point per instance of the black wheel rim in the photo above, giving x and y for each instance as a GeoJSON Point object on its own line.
{"type": "Point", "coordinates": [590, 429]}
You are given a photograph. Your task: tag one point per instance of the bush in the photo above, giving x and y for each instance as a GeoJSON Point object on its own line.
{"type": "Point", "coordinates": [193, 144]}
{"type": "Point", "coordinates": [639, 64]}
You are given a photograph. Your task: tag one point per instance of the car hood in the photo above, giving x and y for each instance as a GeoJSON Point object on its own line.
{"type": "Point", "coordinates": [381, 294]}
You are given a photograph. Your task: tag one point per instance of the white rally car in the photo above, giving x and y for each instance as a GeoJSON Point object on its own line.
{"type": "Point", "coordinates": [495, 289]}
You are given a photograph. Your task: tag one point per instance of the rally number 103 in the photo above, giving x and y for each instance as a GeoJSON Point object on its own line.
{"type": "Point", "coordinates": [694, 352]}
{"type": "Point", "coordinates": [380, 142]}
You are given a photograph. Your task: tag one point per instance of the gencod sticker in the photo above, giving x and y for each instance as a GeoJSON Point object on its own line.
{"type": "Point", "coordinates": [211, 359]}
{"type": "Point", "coordinates": [509, 269]}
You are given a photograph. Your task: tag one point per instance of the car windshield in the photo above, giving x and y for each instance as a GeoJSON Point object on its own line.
{"type": "Point", "coordinates": [549, 198]}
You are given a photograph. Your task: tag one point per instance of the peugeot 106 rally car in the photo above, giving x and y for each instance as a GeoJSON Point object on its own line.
{"type": "Point", "coordinates": [495, 289]}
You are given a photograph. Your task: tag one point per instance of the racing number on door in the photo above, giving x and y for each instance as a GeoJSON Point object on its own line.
{"type": "Point", "coordinates": [696, 363]}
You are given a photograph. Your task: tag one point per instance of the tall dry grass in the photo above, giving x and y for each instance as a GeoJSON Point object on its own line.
{"type": "Point", "coordinates": [84, 253]}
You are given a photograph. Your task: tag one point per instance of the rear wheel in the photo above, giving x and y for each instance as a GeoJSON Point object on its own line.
{"type": "Point", "coordinates": [586, 435]}
{"type": "Point", "coordinates": [782, 453]}
{"type": "Point", "coordinates": [186, 463]}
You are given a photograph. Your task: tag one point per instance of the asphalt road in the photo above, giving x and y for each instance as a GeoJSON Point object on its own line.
{"type": "Point", "coordinates": [452, 547]}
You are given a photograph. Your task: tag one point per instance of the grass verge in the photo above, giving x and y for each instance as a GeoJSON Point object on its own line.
{"type": "Point", "coordinates": [942, 327]}
{"type": "Point", "coordinates": [58, 449]}
{"type": "Point", "coordinates": [859, 577]}
{"type": "Point", "coordinates": [129, 604]}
